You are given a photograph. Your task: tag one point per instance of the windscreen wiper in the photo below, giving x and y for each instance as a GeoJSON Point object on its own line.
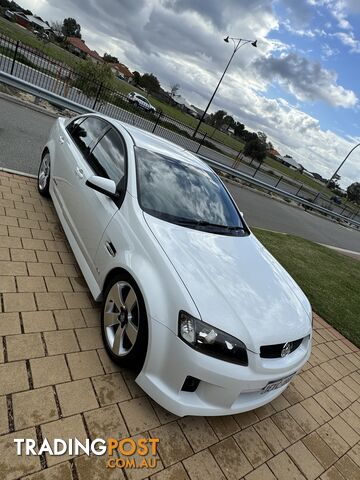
{"type": "Point", "coordinates": [204, 223]}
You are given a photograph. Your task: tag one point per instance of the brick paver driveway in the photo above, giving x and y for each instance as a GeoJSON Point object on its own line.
{"type": "Point", "coordinates": [56, 380]}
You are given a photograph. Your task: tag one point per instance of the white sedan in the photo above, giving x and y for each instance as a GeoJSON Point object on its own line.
{"type": "Point", "coordinates": [209, 319]}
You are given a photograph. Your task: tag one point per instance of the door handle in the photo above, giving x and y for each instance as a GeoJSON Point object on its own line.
{"type": "Point", "coordinates": [79, 172]}
{"type": "Point", "coordinates": [61, 139]}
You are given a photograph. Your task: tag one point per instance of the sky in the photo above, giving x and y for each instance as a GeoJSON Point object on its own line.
{"type": "Point", "coordinates": [300, 86]}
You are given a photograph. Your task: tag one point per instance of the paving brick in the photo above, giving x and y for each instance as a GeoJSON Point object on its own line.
{"type": "Point", "coordinates": [175, 472]}
{"type": "Point", "coordinates": [19, 232]}
{"type": "Point", "coordinates": [7, 284]}
{"type": "Point", "coordinates": [9, 323]}
{"type": "Point", "coordinates": [1, 351]}
{"type": "Point", "coordinates": [223, 426]}
{"type": "Point", "coordinates": [65, 270]}
{"type": "Point", "coordinates": [261, 473]}
{"type": "Point", "coordinates": [253, 446]}
{"type": "Point", "coordinates": [50, 301]}
{"type": "Point", "coordinates": [140, 415]}
{"type": "Point", "coordinates": [202, 465]}
{"type": "Point", "coordinates": [327, 404]}
{"type": "Point", "coordinates": [92, 317]}
{"type": "Point", "coordinates": [41, 234]}
{"type": "Point", "coordinates": [40, 269]}
{"type": "Point", "coordinates": [89, 338]}
{"type": "Point", "coordinates": [246, 419]}
{"type": "Point", "coordinates": [30, 284]}
{"type": "Point", "coordinates": [285, 422]}
{"type": "Point", "coordinates": [4, 253]}
{"type": "Point", "coordinates": [21, 255]}
{"type": "Point", "coordinates": [108, 365]}
{"type": "Point", "coordinates": [94, 467]}
{"type": "Point", "coordinates": [13, 378]}
{"type": "Point", "coordinates": [77, 300]}
{"type": "Point", "coordinates": [26, 223]}
{"type": "Point", "coordinates": [67, 258]}
{"type": "Point", "coordinates": [58, 284]}
{"type": "Point", "coordinates": [38, 321]}
{"type": "Point", "coordinates": [14, 466]}
{"type": "Point", "coordinates": [49, 370]}
{"type": "Point", "coordinates": [61, 471]}
{"type": "Point", "coordinates": [271, 435]}
{"type": "Point", "coordinates": [265, 411]}
{"type": "Point", "coordinates": [106, 422]}
{"type": "Point", "coordinates": [67, 319]}
{"type": "Point", "coordinates": [12, 268]}
{"type": "Point", "coordinates": [354, 454]}
{"type": "Point", "coordinates": [316, 410]}
{"type": "Point", "coordinates": [79, 285]}
{"type": "Point", "coordinates": [305, 461]}
{"type": "Point", "coordinates": [320, 449]}
{"type": "Point", "coordinates": [332, 474]}
{"type": "Point", "coordinates": [344, 430]}
{"type": "Point", "coordinates": [111, 388]}
{"type": "Point", "coordinates": [333, 439]}
{"type": "Point", "coordinates": [4, 422]}
{"type": "Point", "coordinates": [280, 403]}
{"type": "Point", "coordinates": [34, 407]}
{"type": "Point", "coordinates": [19, 302]}
{"type": "Point", "coordinates": [231, 459]}
{"type": "Point", "coordinates": [76, 397]}
{"type": "Point", "coordinates": [303, 418]}
{"type": "Point", "coordinates": [303, 387]}
{"type": "Point", "coordinates": [69, 427]}
{"type": "Point", "coordinates": [348, 468]}
{"type": "Point", "coordinates": [63, 341]}
{"type": "Point", "coordinates": [284, 468]}
{"type": "Point", "coordinates": [24, 346]}
{"type": "Point", "coordinates": [173, 446]}
{"type": "Point", "coordinates": [56, 245]}
{"type": "Point", "coordinates": [84, 364]}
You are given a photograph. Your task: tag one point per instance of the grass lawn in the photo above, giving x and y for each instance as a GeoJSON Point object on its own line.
{"type": "Point", "coordinates": [330, 280]}
{"type": "Point", "coordinates": [16, 32]}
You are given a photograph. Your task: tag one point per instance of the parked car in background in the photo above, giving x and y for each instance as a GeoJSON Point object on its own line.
{"type": "Point", "coordinates": [141, 102]}
{"type": "Point", "coordinates": [336, 199]}
{"type": "Point", "coordinates": [211, 322]}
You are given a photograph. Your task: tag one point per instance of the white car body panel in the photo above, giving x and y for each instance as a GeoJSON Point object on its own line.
{"type": "Point", "coordinates": [229, 282]}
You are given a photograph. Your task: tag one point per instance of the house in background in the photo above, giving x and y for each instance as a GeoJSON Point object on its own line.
{"type": "Point", "coordinates": [78, 47]}
{"type": "Point", "coordinates": [31, 22]}
{"type": "Point", "coordinates": [121, 71]}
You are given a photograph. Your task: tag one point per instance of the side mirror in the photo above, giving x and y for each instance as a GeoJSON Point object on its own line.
{"type": "Point", "coordinates": [103, 185]}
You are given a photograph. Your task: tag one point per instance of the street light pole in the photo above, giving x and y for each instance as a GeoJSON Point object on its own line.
{"type": "Point", "coordinates": [238, 43]}
{"type": "Point", "coordinates": [341, 164]}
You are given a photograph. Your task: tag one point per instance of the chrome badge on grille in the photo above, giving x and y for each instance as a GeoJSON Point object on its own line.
{"type": "Point", "coordinates": [286, 349]}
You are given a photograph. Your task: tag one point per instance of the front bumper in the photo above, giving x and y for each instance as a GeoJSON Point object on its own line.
{"type": "Point", "coordinates": [224, 388]}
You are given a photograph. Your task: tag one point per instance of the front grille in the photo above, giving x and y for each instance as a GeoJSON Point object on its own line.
{"type": "Point", "coordinates": [274, 351]}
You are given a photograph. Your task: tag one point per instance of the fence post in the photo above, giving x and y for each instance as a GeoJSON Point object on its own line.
{"type": "Point", "coordinates": [14, 59]}
{"type": "Point", "coordinates": [200, 144]}
{"type": "Point", "coordinates": [97, 96]}
{"type": "Point", "coordinates": [297, 193]}
{"type": "Point", "coordinates": [277, 183]}
{"type": "Point", "coordinates": [257, 169]}
{"type": "Point", "coordinates": [156, 122]}
{"type": "Point", "coordinates": [237, 161]}
{"type": "Point", "coordinates": [316, 197]}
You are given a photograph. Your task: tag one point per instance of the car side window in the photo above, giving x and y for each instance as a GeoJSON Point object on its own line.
{"type": "Point", "coordinates": [86, 132]}
{"type": "Point", "coordinates": [108, 157]}
{"type": "Point", "coordinates": [74, 124]}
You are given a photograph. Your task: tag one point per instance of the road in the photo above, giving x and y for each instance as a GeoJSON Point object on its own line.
{"type": "Point", "coordinates": [23, 133]}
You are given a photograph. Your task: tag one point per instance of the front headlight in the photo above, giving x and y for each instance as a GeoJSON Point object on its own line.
{"type": "Point", "coordinates": [211, 341]}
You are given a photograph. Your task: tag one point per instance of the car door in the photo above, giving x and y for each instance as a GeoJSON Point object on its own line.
{"type": "Point", "coordinates": [102, 152]}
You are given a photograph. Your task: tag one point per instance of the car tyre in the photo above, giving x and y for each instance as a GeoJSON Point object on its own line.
{"type": "Point", "coordinates": [44, 176]}
{"type": "Point", "coordinates": [124, 323]}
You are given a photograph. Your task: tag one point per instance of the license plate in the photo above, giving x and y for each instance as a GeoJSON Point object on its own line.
{"type": "Point", "coordinates": [277, 383]}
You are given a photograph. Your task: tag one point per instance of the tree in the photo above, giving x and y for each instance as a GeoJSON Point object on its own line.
{"type": "Point", "coordinates": [217, 119]}
{"type": "Point", "coordinates": [353, 192]}
{"type": "Point", "coordinates": [71, 28]}
{"type": "Point", "coordinates": [255, 149]}
{"type": "Point", "coordinates": [110, 58]}
{"type": "Point", "coordinates": [150, 82]}
{"type": "Point", "coordinates": [229, 122]}
{"type": "Point", "coordinates": [89, 78]}
{"type": "Point", "coordinates": [262, 137]}
{"type": "Point", "coordinates": [174, 90]}
{"type": "Point", "coordinates": [136, 77]}
{"type": "Point", "coordinates": [238, 129]}
{"type": "Point", "coordinates": [57, 28]}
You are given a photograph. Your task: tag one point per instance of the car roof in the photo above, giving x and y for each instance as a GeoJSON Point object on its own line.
{"type": "Point", "coordinates": [149, 141]}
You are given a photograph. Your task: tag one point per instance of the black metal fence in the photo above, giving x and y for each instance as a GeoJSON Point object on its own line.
{"type": "Point", "coordinates": [39, 69]}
